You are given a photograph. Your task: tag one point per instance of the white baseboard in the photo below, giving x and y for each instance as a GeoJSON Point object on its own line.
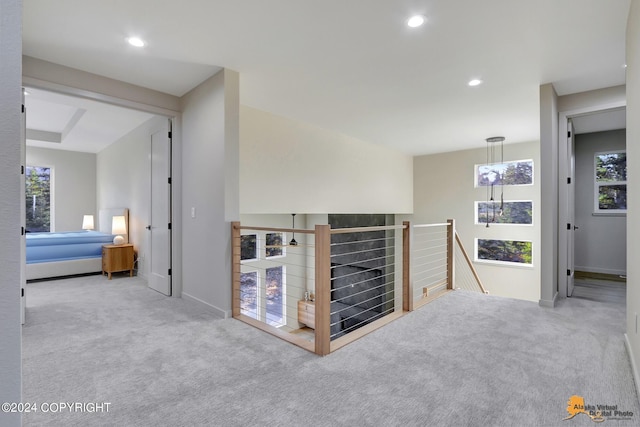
{"type": "Point", "coordinates": [218, 311]}
{"type": "Point", "coordinates": [634, 367]}
{"type": "Point", "coordinates": [600, 270]}
{"type": "Point", "coordinates": [549, 303]}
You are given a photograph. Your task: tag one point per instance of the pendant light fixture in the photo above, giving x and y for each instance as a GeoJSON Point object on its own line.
{"type": "Point", "coordinates": [495, 176]}
{"type": "Point", "coordinates": [293, 226]}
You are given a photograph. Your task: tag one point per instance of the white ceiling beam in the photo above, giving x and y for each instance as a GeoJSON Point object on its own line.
{"type": "Point", "coordinates": [73, 122]}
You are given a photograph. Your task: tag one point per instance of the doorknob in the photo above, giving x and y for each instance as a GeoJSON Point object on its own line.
{"type": "Point", "coordinates": [575, 227]}
{"type": "Point", "coordinates": [148, 227]}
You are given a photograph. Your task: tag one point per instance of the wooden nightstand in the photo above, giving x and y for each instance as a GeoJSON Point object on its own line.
{"type": "Point", "coordinates": [117, 258]}
{"type": "Point", "coordinates": [307, 313]}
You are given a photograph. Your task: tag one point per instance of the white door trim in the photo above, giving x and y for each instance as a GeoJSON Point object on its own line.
{"type": "Point", "coordinates": [563, 173]}
{"type": "Point", "coordinates": [111, 94]}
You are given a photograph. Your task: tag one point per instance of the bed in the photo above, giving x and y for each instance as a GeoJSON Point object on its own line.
{"type": "Point", "coordinates": [73, 252]}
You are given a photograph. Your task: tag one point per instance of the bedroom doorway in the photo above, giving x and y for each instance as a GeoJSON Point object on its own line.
{"type": "Point", "coordinates": [160, 214]}
{"type": "Point", "coordinates": [594, 239]}
{"type": "Point", "coordinates": [114, 139]}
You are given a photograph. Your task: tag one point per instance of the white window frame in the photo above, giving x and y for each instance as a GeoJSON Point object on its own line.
{"type": "Point", "coordinates": [597, 184]}
{"type": "Point", "coordinates": [283, 248]}
{"type": "Point", "coordinates": [477, 220]}
{"type": "Point", "coordinates": [52, 210]}
{"type": "Point", "coordinates": [258, 295]}
{"type": "Point", "coordinates": [243, 261]}
{"type": "Point", "coordinates": [284, 295]}
{"type": "Point", "coordinates": [477, 167]}
{"type": "Point", "coordinates": [498, 262]}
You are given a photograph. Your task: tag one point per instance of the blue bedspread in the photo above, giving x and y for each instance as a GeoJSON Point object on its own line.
{"type": "Point", "coordinates": [48, 247]}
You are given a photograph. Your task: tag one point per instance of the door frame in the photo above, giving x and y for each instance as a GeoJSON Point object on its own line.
{"type": "Point", "coordinates": [563, 189]}
{"type": "Point", "coordinates": [169, 218]}
{"type": "Point", "coordinates": [149, 103]}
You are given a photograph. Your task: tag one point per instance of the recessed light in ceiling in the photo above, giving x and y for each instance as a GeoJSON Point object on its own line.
{"type": "Point", "coordinates": [136, 41]}
{"type": "Point", "coordinates": [416, 21]}
{"type": "Point", "coordinates": [475, 82]}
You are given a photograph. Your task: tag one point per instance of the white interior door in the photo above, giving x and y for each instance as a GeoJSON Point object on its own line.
{"type": "Point", "coordinates": [160, 222]}
{"type": "Point", "coordinates": [571, 207]}
{"type": "Point", "coordinates": [23, 213]}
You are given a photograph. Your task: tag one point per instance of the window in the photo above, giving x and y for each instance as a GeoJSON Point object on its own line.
{"type": "Point", "coordinates": [610, 182]}
{"type": "Point", "coordinates": [264, 301]}
{"type": "Point", "coordinates": [248, 247]}
{"type": "Point", "coordinates": [274, 246]}
{"type": "Point", "coordinates": [513, 212]}
{"type": "Point", "coordinates": [249, 294]}
{"type": "Point", "coordinates": [38, 198]}
{"type": "Point", "coordinates": [504, 251]}
{"type": "Point", "coordinates": [517, 172]}
{"type": "Point", "coordinates": [274, 296]}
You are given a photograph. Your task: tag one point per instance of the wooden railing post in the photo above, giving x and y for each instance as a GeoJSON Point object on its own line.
{"type": "Point", "coordinates": [235, 268]}
{"type": "Point", "coordinates": [407, 288]}
{"type": "Point", "coordinates": [323, 289]}
{"type": "Point", "coordinates": [451, 242]}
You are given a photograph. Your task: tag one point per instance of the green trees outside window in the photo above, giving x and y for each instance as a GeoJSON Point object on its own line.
{"type": "Point", "coordinates": [38, 198]}
{"type": "Point", "coordinates": [611, 181]}
{"type": "Point", "coordinates": [504, 250]}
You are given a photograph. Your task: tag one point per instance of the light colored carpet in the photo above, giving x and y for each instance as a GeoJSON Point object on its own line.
{"type": "Point", "coordinates": [465, 359]}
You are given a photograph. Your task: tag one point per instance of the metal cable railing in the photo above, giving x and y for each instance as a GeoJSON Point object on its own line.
{"type": "Point", "coordinates": [336, 285]}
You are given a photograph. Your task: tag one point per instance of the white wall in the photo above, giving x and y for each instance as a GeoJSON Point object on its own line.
{"type": "Point", "coordinates": [73, 185]}
{"type": "Point", "coordinates": [600, 240]}
{"type": "Point", "coordinates": [444, 189]}
{"type": "Point", "coordinates": [549, 195]}
{"type": "Point", "coordinates": [291, 166]}
{"type": "Point", "coordinates": [633, 191]}
{"type": "Point", "coordinates": [10, 218]}
{"type": "Point", "coordinates": [123, 180]}
{"type": "Point", "coordinates": [209, 175]}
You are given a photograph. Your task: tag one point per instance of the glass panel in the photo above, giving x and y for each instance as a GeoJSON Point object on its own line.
{"type": "Point", "coordinates": [274, 244]}
{"type": "Point", "coordinates": [275, 296]}
{"type": "Point", "coordinates": [504, 250]}
{"type": "Point", "coordinates": [249, 294]}
{"type": "Point", "coordinates": [248, 247]}
{"type": "Point", "coordinates": [611, 167]}
{"type": "Point", "coordinates": [38, 198]}
{"type": "Point", "coordinates": [612, 197]}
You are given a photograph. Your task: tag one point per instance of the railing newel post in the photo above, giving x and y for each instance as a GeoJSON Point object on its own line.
{"type": "Point", "coordinates": [451, 235]}
{"type": "Point", "coordinates": [407, 283]}
{"type": "Point", "coordinates": [323, 289]}
{"type": "Point", "coordinates": [235, 268]}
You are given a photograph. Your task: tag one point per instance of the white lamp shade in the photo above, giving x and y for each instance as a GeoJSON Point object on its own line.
{"type": "Point", "coordinates": [119, 227]}
{"type": "Point", "coordinates": [87, 222]}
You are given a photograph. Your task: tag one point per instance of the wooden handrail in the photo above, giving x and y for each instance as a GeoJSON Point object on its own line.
{"type": "Point", "coordinates": [366, 229]}
{"type": "Point", "coordinates": [284, 230]}
{"type": "Point", "coordinates": [470, 264]}
{"type": "Point", "coordinates": [442, 224]}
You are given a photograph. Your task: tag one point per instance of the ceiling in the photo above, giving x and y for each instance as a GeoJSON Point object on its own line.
{"type": "Point", "coordinates": [354, 67]}
{"type": "Point", "coordinates": [76, 124]}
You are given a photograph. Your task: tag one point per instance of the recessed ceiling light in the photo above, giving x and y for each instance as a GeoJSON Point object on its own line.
{"type": "Point", "coordinates": [474, 82]}
{"type": "Point", "coordinates": [136, 41]}
{"type": "Point", "coordinates": [416, 21]}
